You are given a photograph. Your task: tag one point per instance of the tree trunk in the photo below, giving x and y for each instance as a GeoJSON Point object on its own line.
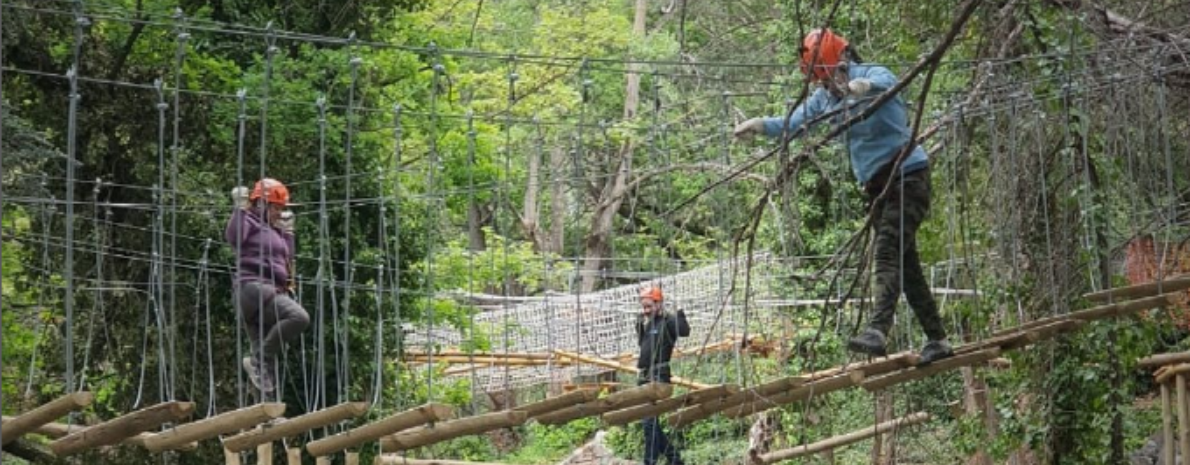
{"type": "Point", "coordinates": [556, 242]}
{"type": "Point", "coordinates": [882, 455]}
{"type": "Point", "coordinates": [975, 402]}
{"type": "Point", "coordinates": [762, 433]}
{"type": "Point", "coordinates": [475, 219]}
{"type": "Point", "coordinates": [598, 242]}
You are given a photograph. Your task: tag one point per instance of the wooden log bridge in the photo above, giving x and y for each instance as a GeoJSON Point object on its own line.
{"type": "Point", "coordinates": [447, 430]}
{"type": "Point", "coordinates": [29, 421]}
{"type": "Point", "coordinates": [839, 441]}
{"type": "Point", "coordinates": [653, 409]}
{"type": "Point", "coordinates": [639, 395]}
{"type": "Point", "coordinates": [624, 368]}
{"type": "Point", "coordinates": [235, 420]}
{"type": "Point", "coordinates": [120, 428]}
{"type": "Point", "coordinates": [398, 460]}
{"type": "Point", "coordinates": [411, 418]}
{"type": "Point", "coordinates": [295, 426]}
{"type": "Point", "coordinates": [910, 374]}
{"type": "Point", "coordinates": [1170, 284]}
{"type": "Point", "coordinates": [555, 403]}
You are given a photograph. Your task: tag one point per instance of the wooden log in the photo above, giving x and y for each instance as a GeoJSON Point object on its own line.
{"type": "Point", "coordinates": [558, 402]}
{"type": "Point", "coordinates": [294, 426]}
{"type": "Point", "coordinates": [231, 458]}
{"type": "Point", "coordinates": [416, 416]}
{"type": "Point", "coordinates": [227, 422]}
{"type": "Point", "coordinates": [839, 441]}
{"type": "Point", "coordinates": [58, 430]}
{"type": "Point", "coordinates": [1170, 284]}
{"type": "Point", "coordinates": [1126, 307]}
{"type": "Point", "coordinates": [398, 460]}
{"type": "Point", "coordinates": [623, 399]}
{"type": "Point", "coordinates": [625, 368]}
{"type": "Point", "coordinates": [1167, 453]}
{"type": "Point", "coordinates": [1160, 360]}
{"type": "Point", "coordinates": [799, 394]}
{"type": "Point", "coordinates": [293, 456]}
{"type": "Point", "coordinates": [1169, 372]}
{"type": "Point", "coordinates": [324, 460]}
{"type": "Point", "coordinates": [460, 353]}
{"type": "Point", "coordinates": [120, 428]}
{"type": "Point", "coordinates": [352, 458]}
{"type": "Point", "coordinates": [55, 409]}
{"type": "Point", "coordinates": [448, 430]}
{"type": "Point", "coordinates": [264, 454]}
{"type": "Point", "coordinates": [1183, 418]}
{"type": "Point", "coordinates": [653, 409]}
{"type": "Point", "coordinates": [940, 366]}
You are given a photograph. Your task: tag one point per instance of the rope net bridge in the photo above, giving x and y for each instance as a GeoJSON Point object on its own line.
{"type": "Point", "coordinates": [148, 247]}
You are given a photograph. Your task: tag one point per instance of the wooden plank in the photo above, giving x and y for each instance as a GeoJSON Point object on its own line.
{"type": "Point", "coordinates": [117, 429]}
{"type": "Point", "coordinates": [1170, 284]}
{"type": "Point", "coordinates": [294, 426]}
{"type": "Point", "coordinates": [227, 422]}
{"type": "Point", "coordinates": [653, 409]}
{"type": "Point", "coordinates": [1160, 360]}
{"type": "Point", "coordinates": [55, 409]}
{"type": "Point", "coordinates": [625, 368]}
{"type": "Point", "coordinates": [839, 441]}
{"type": "Point", "coordinates": [558, 402]}
{"type": "Point", "coordinates": [448, 430]}
{"type": "Point", "coordinates": [623, 399]}
{"type": "Point", "coordinates": [910, 374]}
{"type": "Point", "coordinates": [416, 416]}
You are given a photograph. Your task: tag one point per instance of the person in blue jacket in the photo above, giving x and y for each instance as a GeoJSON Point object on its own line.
{"type": "Point", "coordinates": [260, 231]}
{"type": "Point", "coordinates": [874, 144]}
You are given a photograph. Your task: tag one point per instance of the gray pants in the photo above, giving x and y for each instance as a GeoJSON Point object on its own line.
{"type": "Point", "coordinates": [271, 315]}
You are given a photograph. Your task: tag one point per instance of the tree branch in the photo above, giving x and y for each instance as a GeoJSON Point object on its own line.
{"type": "Point", "coordinates": [137, 28]}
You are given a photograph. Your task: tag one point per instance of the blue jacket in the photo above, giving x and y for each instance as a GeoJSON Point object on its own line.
{"type": "Point", "coordinates": [873, 142]}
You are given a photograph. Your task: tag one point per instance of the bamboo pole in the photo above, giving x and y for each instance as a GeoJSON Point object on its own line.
{"type": "Point", "coordinates": [210, 427]}
{"type": "Point", "coordinates": [1160, 360]}
{"type": "Point", "coordinates": [115, 430]}
{"type": "Point", "coordinates": [839, 441]}
{"type": "Point", "coordinates": [1170, 284]}
{"type": "Point", "coordinates": [293, 456]}
{"type": "Point", "coordinates": [417, 416]}
{"type": "Point", "coordinates": [55, 409]}
{"type": "Point", "coordinates": [558, 402]}
{"type": "Point", "coordinates": [940, 366]}
{"type": "Point", "coordinates": [625, 368]}
{"type": "Point", "coordinates": [1166, 426]}
{"type": "Point", "coordinates": [1183, 419]}
{"type": "Point", "coordinates": [294, 426]}
{"type": "Point", "coordinates": [623, 399]}
{"type": "Point", "coordinates": [448, 430]}
{"type": "Point", "coordinates": [653, 409]}
{"type": "Point", "coordinates": [264, 454]}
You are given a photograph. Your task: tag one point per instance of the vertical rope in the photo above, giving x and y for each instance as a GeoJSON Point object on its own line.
{"type": "Point", "coordinates": [398, 324]}
{"type": "Point", "coordinates": [156, 274]}
{"type": "Point", "coordinates": [348, 267]}
{"type": "Point", "coordinates": [212, 402]}
{"type": "Point", "coordinates": [97, 308]}
{"type": "Point", "coordinates": [175, 149]}
{"type": "Point", "coordinates": [241, 132]}
{"type": "Point", "coordinates": [270, 52]}
{"type": "Point", "coordinates": [1163, 133]}
{"type": "Point", "coordinates": [579, 185]}
{"type": "Point", "coordinates": [71, 156]}
{"type": "Point", "coordinates": [1, 205]}
{"type": "Point", "coordinates": [471, 208]}
{"type": "Point", "coordinates": [502, 201]}
{"type": "Point", "coordinates": [47, 216]}
{"type": "Point", "coordinates": [199, 286]}
{"type": "Point", "coordinates": [319, 400]}
{"type": "Point", "coordinates": [432, 201]}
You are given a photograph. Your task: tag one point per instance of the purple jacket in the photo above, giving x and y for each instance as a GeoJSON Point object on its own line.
{"type": "Point", "coordinates": [262, 251]}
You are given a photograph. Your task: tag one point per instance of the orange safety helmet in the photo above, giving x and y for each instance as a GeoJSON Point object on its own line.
{"type": "Point", "coordinates": [653, 293]}
{"type": "Point", "coordinates": [824, 49]}
{"type": "Point", "coordinates": [271, 190]}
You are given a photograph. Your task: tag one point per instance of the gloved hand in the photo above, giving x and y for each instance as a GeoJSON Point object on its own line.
{"type": "Point", "coordinates": [749, 129]}
{"type": "Point", "coordinates": [285, 222]}
{"type": "Point", "coordinates": [859, 87]}
{"type": "Point", "coordinates": [239, 197]}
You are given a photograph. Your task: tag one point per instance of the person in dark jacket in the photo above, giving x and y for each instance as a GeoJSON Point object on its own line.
{"type": "Point", "coordinates": [874, 143]}
{"type": "Point", "coordinates": [260, 231]}
{"type": "Point", "coordinates": [657, 331]}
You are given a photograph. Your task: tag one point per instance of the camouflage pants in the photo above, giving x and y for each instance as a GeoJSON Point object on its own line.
{"type": "Point", "coordinates": [898, 266]}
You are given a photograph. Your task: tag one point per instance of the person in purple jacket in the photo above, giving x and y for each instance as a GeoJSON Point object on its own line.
{"type": "Point", "coordinates": [260, 231]}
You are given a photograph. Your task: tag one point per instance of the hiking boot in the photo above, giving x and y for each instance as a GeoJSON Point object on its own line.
{"type": "Point", "coordinates": [262, 379]}
{"type": "Point", "coordinates": [934, 351]}
{"type": "Point", "coordinates": [870, 342]}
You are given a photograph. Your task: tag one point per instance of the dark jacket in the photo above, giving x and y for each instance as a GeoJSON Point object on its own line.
{"type": "Point", "coordinates": [657, 336]}
{"type": "Point", "coordinates": [263, 252]}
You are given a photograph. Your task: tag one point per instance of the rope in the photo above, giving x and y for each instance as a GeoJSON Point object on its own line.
{"type": "Point", "coordinates": [320, 392]}
{"type": "Point", "coordinates": [71, 155]}
{"type": "Point", "coordinates": [438, 71]}
{"type": "Point", "coordinates": [398, 323]}
{"type": "Point", "coordinates": [345, 367]}
{"type": "Point", "coordinates": [156, 274]}
{"type": "Point", "coordinates": [175, 149]}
